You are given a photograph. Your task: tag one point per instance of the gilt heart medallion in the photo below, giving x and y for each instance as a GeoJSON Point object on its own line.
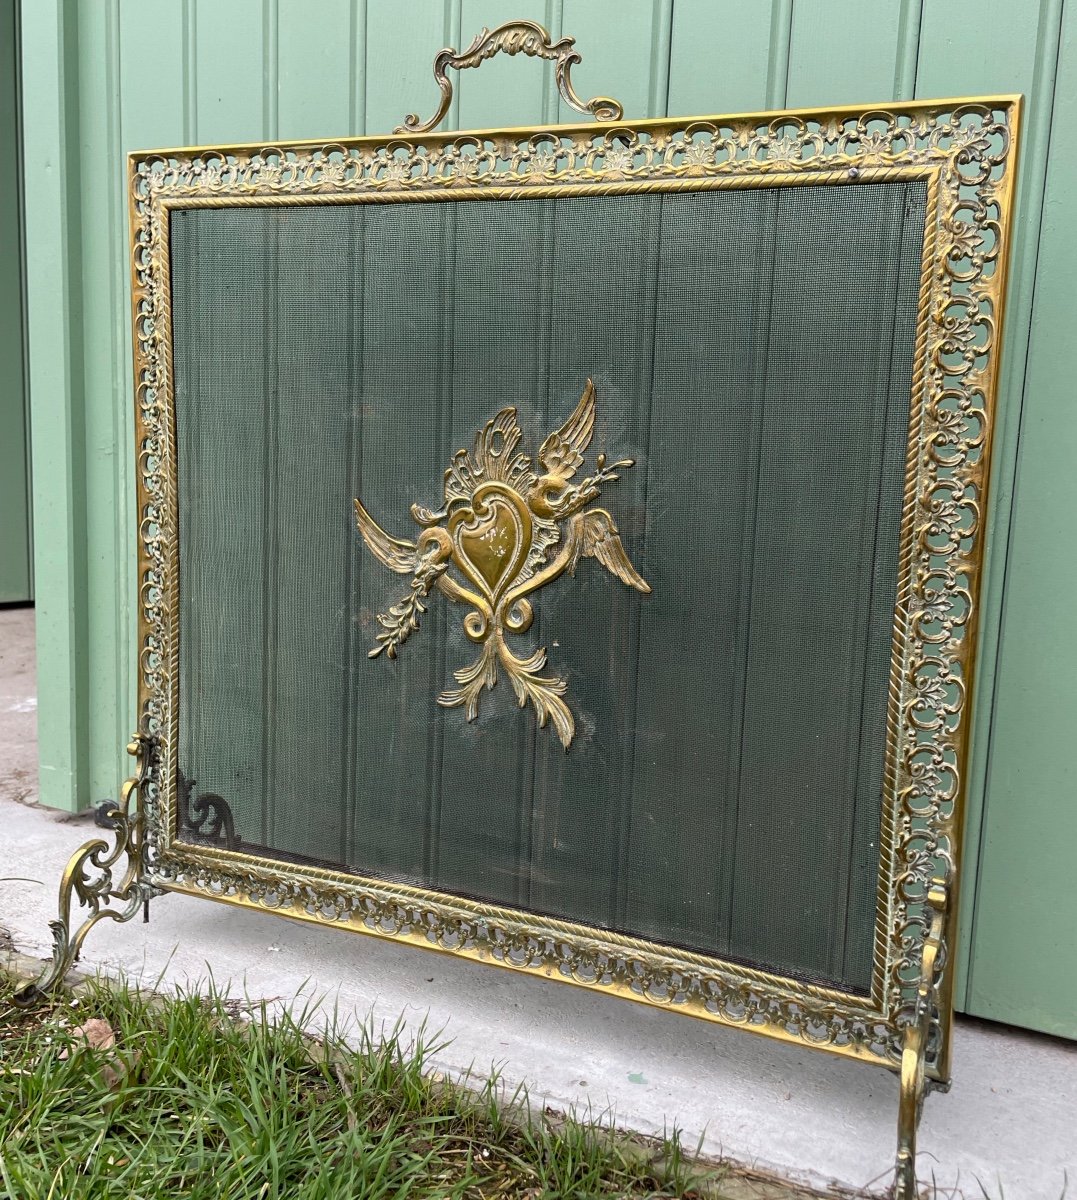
{"type": "Point", "coordinates": [491, 539]}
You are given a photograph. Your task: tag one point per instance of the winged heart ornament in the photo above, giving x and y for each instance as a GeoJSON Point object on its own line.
{"type": "Point", "coordinates": [506, 529]}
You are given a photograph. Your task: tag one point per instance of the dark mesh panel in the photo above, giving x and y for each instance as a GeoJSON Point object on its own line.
{"type": "Point", "coordinates": [752, 350]}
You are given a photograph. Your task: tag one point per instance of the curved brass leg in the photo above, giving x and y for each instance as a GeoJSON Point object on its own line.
{"type": "Point", "coordinates": [909, 1106]}
{"type": "Point", "coordinates": [89, 878]}
{"type": "Point", "coordinates": [914, 1051]}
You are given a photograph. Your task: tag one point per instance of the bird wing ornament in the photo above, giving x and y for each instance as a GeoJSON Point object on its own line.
{"type": "Point", "coordinates": [394, 553]}
{"type": "Point", "coordinates": [562, 452]}
{"type": "Point", "coordinates": [596, 536]}
{"type": "Point", "coordinates": [503, 532]}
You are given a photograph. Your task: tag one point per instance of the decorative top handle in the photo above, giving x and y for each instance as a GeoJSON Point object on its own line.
{"type": "Point", "coordinates": [514, 37]}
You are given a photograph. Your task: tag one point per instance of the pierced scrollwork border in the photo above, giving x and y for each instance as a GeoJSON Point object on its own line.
{"type": "Point", "coordinates": [102, 881]}
{"type": "Point", "coordinates": [966, 152]}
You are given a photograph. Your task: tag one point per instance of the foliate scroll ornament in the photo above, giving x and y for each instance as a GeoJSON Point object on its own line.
{"type": "Point", "coordinates": [743, 997]}
{"type": "Point", "coordinates": [507, 528]}
{"type": "Point", "coordinates": [206, 818]}
{"type": "Point", "coordinates": [106, 881]}
{"type": "Point", "coordinates": [514, 37]}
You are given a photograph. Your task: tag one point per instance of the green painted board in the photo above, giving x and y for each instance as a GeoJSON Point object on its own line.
{"type": "Point", "coordinates": [829, 63]}
{"type": "Point", "coordinates": [1024, 924]}
{"type": "Point", "coordinates": [731, 76]}
{"type": "Point", "coordinates": [52, 230]}
{"type": "Point", "coordinates": [1017, 50]}
{"type": "Point", "coordinates": [102, 381]}
{"type": "Point", "coordinates": [15, 570]}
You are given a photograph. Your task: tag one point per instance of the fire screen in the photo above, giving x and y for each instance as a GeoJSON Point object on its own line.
{"type": "Point", "coordinates": [560, 547]}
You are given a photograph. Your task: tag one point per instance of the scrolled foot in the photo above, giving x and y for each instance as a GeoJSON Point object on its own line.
{"type": "Point", "coordinates": [106, 881]}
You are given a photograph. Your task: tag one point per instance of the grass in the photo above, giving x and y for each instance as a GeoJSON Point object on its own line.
{"type": "Point", "coordinates": [193, 1102]}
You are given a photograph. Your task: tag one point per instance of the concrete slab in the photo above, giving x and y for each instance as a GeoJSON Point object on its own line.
{"type": "Point", "coordinates": [1009, 1124]}
{"type": "Point", "coordinates": [18, 706]}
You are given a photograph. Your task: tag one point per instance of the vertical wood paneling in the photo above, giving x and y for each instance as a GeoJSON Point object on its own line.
{"type": "Point", "coordinates": [399, 54]}
{"type": "Point", "coordinates": [1016, 50]}
{"type": "Point", "coordinates": [687, 761]}
{"type": "Point", "coordinates": [232, 72]}
{"type": "Point", "coordinates": [781, 27]}
{"type": "Point", "coordinates": [908, 47]}
{"type": "Point", "coordinates": [189, 94]}
{"type": "Point", "coordinates": [104, 406]}
{"type": "Point", "coordinates": [53, 231]}
{"type": "Point", "coordinates": [352, 640]}
{"type": "Point", "coordinates": [994, 55]}
{"type": "Point", "coordinates": [583, 810]}
{"type": "Point", "coordinates": [517, 91]}
{"type": "Point", "coordinates": [222, 409]}
{"type": "Point", "coordinates": [316, 42]}
{"type": "Point", "coordinates": [625, 51]}
{"type": "Point", "coordinates": [719, 55]}
{"type": "Point", "coordinates": [403, 829]}
{"type": "Point", "coordinates": [392, 740]}
{"type": "Point", "coordinates": [315, 381]}
{"type": "Point", "coordinates": [476, 806]}
{"type": "Point", "coordinates": [271, 69]}
{"type": "Point", "coordinates": [121, 610]}
{"type": "Point", "coordinates": [1022, 965]}
{"type": "Point", "coordinates": [842, 52]}
{"type": "Point", "coordinates": [153, 116]}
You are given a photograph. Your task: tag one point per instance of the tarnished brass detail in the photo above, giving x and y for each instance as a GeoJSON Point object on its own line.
{"type": "Point", "coordinates": [89, 878]}
{"type": "Point", "coordinates": [917, 1037]}
{"type": "Point", "coordinates": [205, 819]}
{"type": "Point", "coordinates": [514, 37]}
{"type": "Point", "coordinates": [500, 521]}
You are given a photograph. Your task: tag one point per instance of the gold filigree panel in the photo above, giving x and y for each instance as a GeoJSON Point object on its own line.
{"type": "Point", "coordinates": [966, 153]}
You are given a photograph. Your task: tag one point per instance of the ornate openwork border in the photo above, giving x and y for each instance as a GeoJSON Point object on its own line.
{"type": "Point", "coordinates": [966, 151]}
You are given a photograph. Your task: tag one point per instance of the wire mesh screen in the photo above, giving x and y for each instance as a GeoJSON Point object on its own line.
{"type": "Point", "coordinates": [751, 351]}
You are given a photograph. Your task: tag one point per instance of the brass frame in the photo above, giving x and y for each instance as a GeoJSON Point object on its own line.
{"type": "Point", "coordinates": [965, 151]}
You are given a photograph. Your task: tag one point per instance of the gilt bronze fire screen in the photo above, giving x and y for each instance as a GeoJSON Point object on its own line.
{"type": "Point", "coordinates": [560, 547]}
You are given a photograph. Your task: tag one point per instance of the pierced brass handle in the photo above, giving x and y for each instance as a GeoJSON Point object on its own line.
{"type": "Point", "coordinates": [514, 37]}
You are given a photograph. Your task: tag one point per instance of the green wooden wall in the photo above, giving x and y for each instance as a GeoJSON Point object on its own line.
{"type": "Point", "coordinates": [108, 76]}
{"type": "Point", "coordinates": [15, 570]}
